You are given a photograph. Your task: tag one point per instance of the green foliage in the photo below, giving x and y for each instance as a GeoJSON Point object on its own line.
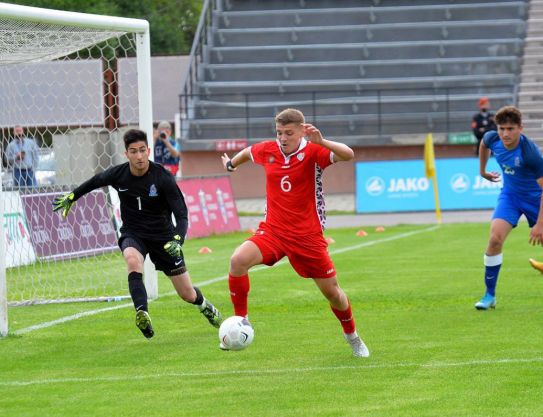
{"type": "Point", "coordinates": [172, 22]}
{"type": "Point", "coordinates": [432, 353]}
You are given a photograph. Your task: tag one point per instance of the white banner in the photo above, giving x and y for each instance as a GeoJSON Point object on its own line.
{"type": "Point", "coordinates": [19, 249]}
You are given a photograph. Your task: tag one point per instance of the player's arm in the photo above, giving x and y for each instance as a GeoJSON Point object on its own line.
{"type": "Point", "coordinates": [536, 233]}
{"type": "Point", "coordinates": [341, 151]}
{"type": "Point", "coordinates": [484, 156]}
{"type": "Point", "coordinates": [176, 201]}
{"type": "Point", "coordinates": [66, 201]}
{"type": "Point", "coordinates": [230, 164]}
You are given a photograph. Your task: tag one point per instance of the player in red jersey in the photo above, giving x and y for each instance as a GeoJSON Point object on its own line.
{"type": "Point", "coordinates": [295, 215]}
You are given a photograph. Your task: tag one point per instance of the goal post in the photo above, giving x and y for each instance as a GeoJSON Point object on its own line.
{"type": "Point", "coordinates": [60, 81]}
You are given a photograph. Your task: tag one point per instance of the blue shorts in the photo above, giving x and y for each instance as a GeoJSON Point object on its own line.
{"type": "Point", "coordinates": [511, 207]}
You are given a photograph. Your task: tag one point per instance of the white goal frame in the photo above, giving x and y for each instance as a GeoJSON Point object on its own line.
{"type": "Point", "coordinates": [140, 28]}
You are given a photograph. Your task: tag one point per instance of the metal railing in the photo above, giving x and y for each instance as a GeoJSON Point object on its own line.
{"type": "Point", "coordinates": [371, 112]}
{"type": "Point", "coordinates": [201, 39]}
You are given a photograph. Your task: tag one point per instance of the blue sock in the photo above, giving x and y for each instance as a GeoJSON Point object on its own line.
{"type": "Point", "coordinates": [492, 270]}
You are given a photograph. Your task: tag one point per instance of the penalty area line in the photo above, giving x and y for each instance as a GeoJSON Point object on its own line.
{"type": "Point", "coordinates": [214, 280]}
{"type": "Point", "coordinates": [267, 371]}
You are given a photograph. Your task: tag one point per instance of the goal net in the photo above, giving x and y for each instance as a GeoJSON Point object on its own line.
{"type": "Point", "coordinates": [66, 83]}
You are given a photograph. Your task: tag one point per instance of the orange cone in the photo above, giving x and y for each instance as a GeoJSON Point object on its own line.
{"type": "Point", "coordinates": [329, 240]}
{"type": "Point", "coordinates": [380, 229]}
{"type": "Point", "coordinates": [361, 233]}
{"type": "Point", "coordinates": [251, 230]}
{"type": "Point", "coordinates": [205, 249]}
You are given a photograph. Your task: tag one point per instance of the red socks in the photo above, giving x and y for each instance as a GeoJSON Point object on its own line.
{"type": "Point", "coordinates": [239, 290]}
{"type": "Point", "coordinates": [346, 319]}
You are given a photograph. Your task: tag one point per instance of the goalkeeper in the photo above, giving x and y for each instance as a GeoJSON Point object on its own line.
{"type": "Point", "coordinates": [148, 195]}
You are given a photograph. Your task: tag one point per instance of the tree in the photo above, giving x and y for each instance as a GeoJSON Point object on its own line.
{"type": "Point", "coordinates": [172, 22]}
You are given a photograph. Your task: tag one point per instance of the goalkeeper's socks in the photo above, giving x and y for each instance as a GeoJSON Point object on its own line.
{"type": "Point", "coordinates": [239, 291]}
{"type": "Point", "coordinates": [200, 300]}
{"type": "Point", "coordinates": [137, 290]}
{"type": "Point", "coordinates": [492, 270]}
{"type": "Point", "coordinates": [346, 319]}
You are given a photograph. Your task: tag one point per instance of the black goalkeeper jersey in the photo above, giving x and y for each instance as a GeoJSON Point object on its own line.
{"type": "Point", "coordinates": [147, 202]}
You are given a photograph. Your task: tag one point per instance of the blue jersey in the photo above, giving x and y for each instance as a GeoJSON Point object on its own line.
{"type": "Point", "coordinates": [163, 156]}
{"type": "Point", "coordinates": [521, 166]}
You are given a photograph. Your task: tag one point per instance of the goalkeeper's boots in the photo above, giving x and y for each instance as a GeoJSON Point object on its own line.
{"type": "Point", "coordinates": [360, 350]}
{"type": "Point", "coordinates": [536, 265]}
{"type": "Point", "coordinates": [143, 321]}
{"type": "Point", "coordinates": [487, 302]}
{"type": "Point", "coordinates": [211, 314]}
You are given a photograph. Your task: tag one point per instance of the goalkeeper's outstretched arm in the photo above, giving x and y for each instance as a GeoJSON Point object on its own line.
{"type": "Point", "coordinates": [66, 201]}
{"type": "Point", "coordinates": [238, 159]}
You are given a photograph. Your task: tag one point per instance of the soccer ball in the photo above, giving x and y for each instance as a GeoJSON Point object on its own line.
{"type": "Point", "coordinates": [236, 333]}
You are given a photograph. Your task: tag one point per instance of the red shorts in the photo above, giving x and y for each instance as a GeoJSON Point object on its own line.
{"type": "Point", "coordinates": [307, 254]}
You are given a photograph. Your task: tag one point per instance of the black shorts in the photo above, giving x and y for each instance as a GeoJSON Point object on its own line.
{"type": "Point", "coordinates": [160, 258]}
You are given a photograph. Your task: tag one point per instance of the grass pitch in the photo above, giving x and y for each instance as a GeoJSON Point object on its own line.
{"type": "Point", "coordinates": [412, 289]}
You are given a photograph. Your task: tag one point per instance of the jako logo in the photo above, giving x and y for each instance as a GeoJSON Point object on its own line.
{"type": "Point", "coordinates": [460, 183]}
{"type": "Point", "coordinates": [375, 186]}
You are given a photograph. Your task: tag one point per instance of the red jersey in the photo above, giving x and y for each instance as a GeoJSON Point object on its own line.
{"type": "Point", "coordinates": [294, 194]}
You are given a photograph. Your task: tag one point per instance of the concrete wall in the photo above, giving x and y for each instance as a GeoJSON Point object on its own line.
{"type": "Point", "coordinates": [249, 180]}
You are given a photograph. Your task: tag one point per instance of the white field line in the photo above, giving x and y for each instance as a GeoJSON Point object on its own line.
{"type": "Point", "coordinates": [266, 371]}
{"type": "Point", "coordinates": [214, 280]}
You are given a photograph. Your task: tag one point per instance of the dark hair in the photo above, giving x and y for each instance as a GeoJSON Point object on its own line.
{"type": "Point", "coordinates": [290, 116]}
{"type": "Point", "coordinates": [508, 114]}
{"type": "Point", "coordinates": [134, 135]}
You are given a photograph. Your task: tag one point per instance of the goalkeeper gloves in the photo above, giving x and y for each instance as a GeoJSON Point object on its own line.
{"type": "Point", "coordinates": [64, 203]}
{"type": "Point", "coordinates": [173, 247]}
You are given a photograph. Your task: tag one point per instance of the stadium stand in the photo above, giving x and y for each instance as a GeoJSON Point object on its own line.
{"type": "Point", "coordinates": [367, 71]}
{"type": "Point", "coordinates": [530, 96]}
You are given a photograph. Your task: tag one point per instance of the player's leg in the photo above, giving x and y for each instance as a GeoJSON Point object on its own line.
{"type": "Point", "coordinates": [530, 209]}
{"type": "Point", "coordinates": [247, 255]}
{"type": "Point", "coordinates": [191, 294]}
{"type": "Point", "coordinates": [176, 270]}
{"type": "Point", "coordinates": [134, 252]}
{"type": "Point", "coordinates": [313, 260]}
{"type": "Point", "coordinates": [341, 307]}
{"type": "Point", "coordinates": [493, 258]}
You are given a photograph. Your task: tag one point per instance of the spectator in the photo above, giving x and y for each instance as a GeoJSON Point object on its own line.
{"type": "Point", "coordinates": [482, 122]}
{"type": "Point", "coordinates": [22, 155]}
{"type": "Point", "coordinates": [167, 151]}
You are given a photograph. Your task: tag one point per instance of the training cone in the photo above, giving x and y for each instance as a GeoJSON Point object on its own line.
{"type": "Point", "coordinates": [205, 249]}
{"type": "Point", "coordinates": [361, 233]}
{"type": "Point", "coordinates": [380, 229]}
{"type": "Point", "coordinates": [329, 240]}
{"type": "Point", "coordinates": [251, 230]}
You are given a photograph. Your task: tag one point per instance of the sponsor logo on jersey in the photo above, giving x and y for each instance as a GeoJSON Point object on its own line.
{"type": "Point", "coordinates": [517, 161]}
{"type": "Point", "coordinates": [508, 170]}
{"type": "Point", "coordinates": [152, 191]}
{"type": "Point", "coordinates": [300, 156]}
{"type": "Point", "coordinates": [271, 159]}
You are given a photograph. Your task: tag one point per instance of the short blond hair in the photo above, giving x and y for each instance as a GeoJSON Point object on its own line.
{"type": "Point", "coordinates": [289, 116]}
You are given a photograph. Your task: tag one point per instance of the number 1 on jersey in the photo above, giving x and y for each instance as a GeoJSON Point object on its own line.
{"type": "Point", "coordinates": [139, 202]}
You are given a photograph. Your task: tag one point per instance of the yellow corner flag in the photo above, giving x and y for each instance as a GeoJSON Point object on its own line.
{"type": "Point", "coordinates": [429, 157]}
{"type": "Point", "coordinates": [430, 170]}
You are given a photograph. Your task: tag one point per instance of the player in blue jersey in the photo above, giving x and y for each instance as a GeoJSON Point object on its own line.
{"type": "Point", "coordinates": [522, 168]}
